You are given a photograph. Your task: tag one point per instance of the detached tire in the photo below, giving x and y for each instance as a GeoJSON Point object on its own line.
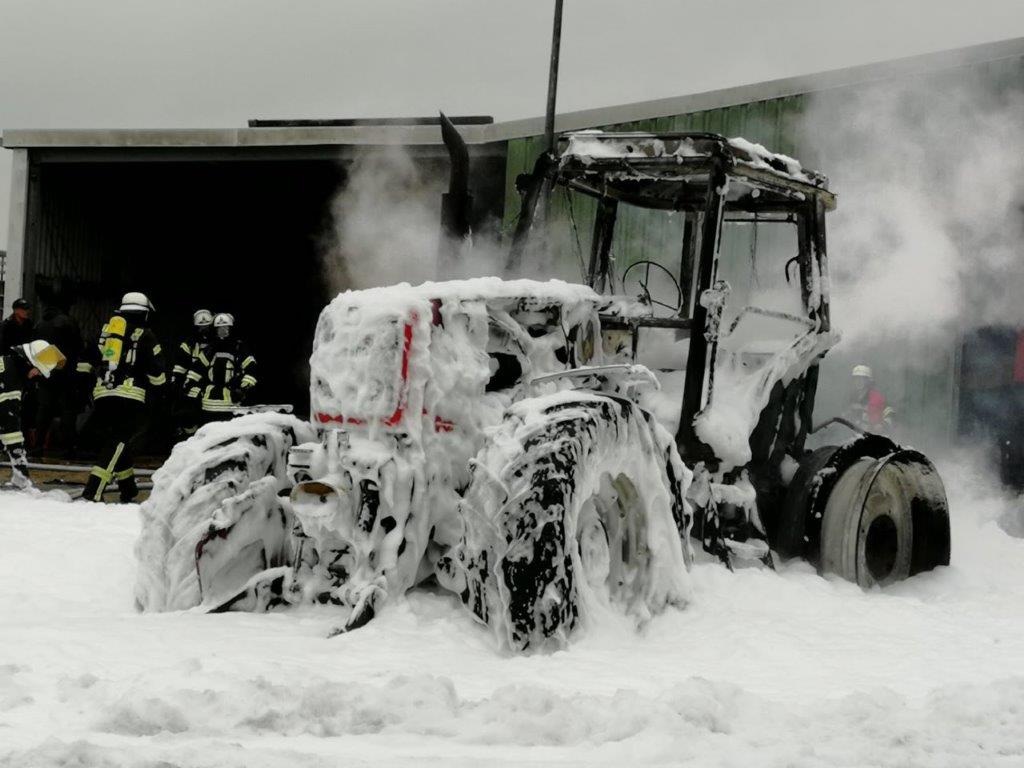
{"type": "Point", "coordinates": [215, 499]}
{"type": "Point", "coordinates": [584, 498]}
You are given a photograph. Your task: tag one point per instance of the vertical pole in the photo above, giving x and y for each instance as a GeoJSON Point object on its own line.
{"type": "Point", "coordinates": [534, 207]}
{"type": "Point", "coordinates": [556, 44]}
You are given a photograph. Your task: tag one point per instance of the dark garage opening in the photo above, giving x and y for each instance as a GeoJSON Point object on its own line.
{"type": "Point", "coordinates": [236, 229]}
{"type": "Point", "coordinates": [234, 236]}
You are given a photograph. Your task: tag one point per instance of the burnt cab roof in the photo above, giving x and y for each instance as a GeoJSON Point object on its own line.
{"type": "Point", "coordinates": [670, 171]}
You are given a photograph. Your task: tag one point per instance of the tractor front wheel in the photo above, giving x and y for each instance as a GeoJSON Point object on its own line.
{"type": "Point", "coordinates": [214, 519]}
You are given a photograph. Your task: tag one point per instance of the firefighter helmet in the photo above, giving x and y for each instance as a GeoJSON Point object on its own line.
{"type": "Point", "coordinates": [862, 371]}
{"type": "Point", "coordinates": [223, 323]}
{"type": "Point", "coordinates": [44, 356]}
{"type": "Point", "coordinates": [202, 318]}
{"type": "Point", "coordinates": [135, 302]}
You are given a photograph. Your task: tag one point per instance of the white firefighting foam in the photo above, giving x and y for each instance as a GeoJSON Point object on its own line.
{"type": "Point", "coordinates": [358, 373]}
{"type": "Point", "coordinates": [742, 387]}
{"type": "Point", "coordinates": [176, 516]}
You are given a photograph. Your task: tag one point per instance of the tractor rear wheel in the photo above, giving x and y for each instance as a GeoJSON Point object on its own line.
{"type": "Point", "coordinates": [869, 511]}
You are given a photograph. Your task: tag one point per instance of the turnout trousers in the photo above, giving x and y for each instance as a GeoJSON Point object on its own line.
{"type": "Point", "coordinates": [118, 424]}
{"type": "Point", "coordinates": [12, 439]}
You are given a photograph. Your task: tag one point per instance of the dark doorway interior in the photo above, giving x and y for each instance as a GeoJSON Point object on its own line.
{"type": "Point", "coordinates": [241, 230]}
{"type": "Point", "coordinates": [240, 237]}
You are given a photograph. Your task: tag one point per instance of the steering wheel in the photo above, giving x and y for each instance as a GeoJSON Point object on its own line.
{"type": "Point", "coordinates": [638, 276]}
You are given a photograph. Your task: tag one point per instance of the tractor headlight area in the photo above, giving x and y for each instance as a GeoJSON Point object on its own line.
{"type": "Point", "coordinates": [326, 505]}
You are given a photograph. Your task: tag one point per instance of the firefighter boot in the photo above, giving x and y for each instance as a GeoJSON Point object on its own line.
{"type": "Point", "coordinates": [19, 468]}
{"type": "Point", "coordinates": [95, 485]}
{"type": "Point", "coordinates": [127, 486]}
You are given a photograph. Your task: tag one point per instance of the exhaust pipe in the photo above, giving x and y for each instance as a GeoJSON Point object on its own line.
{"type": "Point", "coordinates": [456, 203]}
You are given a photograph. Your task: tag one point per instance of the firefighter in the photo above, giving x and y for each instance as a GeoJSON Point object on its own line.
{"type": "Point", "coordinates": [17, 367]}
{"type": "Point", "coordinates": [128, 365]}
{"type": "Point", "coordinates": [58, 405]}
{"type": "Point", "coordinates": [868, 407]}
{"type": "Point", "coordinates": [190, 354]}
{"type": "Point", "coordinates": [228, 377]}
{"type": "Point", "coordinates": [16, 330]}
{"type": "Point", "coordinates": [192, 350]}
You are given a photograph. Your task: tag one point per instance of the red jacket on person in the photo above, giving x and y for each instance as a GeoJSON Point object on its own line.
{"type": "Point", "coordinates": [875, 408]}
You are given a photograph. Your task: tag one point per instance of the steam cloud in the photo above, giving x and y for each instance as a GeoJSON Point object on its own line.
{"type": "Point", "coordinates": [930, 174]}
{"type": "Point", "coordinates": [385, 228]}
{"type": "Point", "coordinates": [926, 242]}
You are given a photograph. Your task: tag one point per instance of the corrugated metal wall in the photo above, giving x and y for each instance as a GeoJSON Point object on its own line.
{"type": "Point", "coordinates": [69, 252]}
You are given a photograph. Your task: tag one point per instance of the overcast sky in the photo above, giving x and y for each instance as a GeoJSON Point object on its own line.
{"type": "Point", "coordinates": [216, 63]}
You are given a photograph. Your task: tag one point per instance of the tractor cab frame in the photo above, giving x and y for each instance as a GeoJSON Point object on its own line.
{"type": "Point", "coordinates": [710, 180]}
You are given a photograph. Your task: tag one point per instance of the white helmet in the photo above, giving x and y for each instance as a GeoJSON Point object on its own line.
{"type": "Point", "coordinates": [222, 324]}
{"type": "Point", "coordinates": [44, 356]}
{"type": "Point", "coordinates": [863, 371]}
{"type": "Point", "coordinates": [201, 318]}
{"type": "Point", "coordinates": [135, 302]}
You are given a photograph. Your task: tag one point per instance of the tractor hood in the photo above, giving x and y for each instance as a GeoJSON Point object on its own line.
{"type": "Point", "coordinates": [372, 353]}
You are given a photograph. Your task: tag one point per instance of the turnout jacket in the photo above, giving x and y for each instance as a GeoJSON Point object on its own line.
{"type": "Point", "coordinates": [127, 361]}
{"type": "Point", "coordinates": [189, 355]}
{"type": "Point", "coordinates": [226, 376]}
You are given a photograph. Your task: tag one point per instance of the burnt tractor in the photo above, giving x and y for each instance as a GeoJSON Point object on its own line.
{"type": "Point", "coordinates": [501, 438]}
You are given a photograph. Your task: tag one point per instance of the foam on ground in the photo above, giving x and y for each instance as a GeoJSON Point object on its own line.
{"type": "Point", "coordinates": [761, 668]}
